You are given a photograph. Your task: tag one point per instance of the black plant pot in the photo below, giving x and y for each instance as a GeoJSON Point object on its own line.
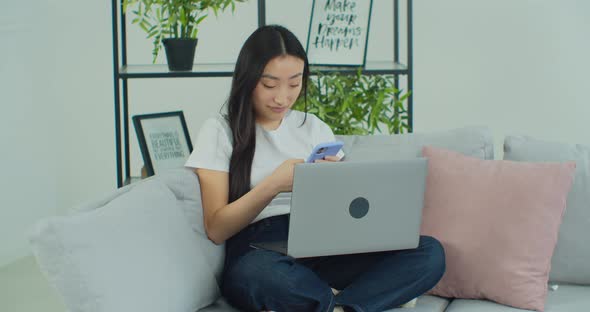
{"type": "Point", "coordinates": [180, 53]}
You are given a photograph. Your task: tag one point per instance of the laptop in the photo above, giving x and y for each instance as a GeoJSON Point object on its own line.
{"type": "Point", "coordinates": [354, 207]}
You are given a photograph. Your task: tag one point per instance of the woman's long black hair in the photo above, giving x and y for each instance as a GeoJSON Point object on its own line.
{"type": "Point", "coordinates": [266, 43]}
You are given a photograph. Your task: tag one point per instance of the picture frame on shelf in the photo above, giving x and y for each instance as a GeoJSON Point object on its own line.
{"type": "Point", "coordinates": [339, 32]}
{"type": "Point", "coordinates": [163, 139]}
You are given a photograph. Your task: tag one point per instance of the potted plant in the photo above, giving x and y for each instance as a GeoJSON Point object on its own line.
{"type": "Point", "coordinates": [174, 24]}
{"type": "Point", "coordinates": [357, 104]}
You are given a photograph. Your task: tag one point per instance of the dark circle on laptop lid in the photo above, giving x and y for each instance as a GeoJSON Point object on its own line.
{"type": "Point", "coordinates": [359, 207]}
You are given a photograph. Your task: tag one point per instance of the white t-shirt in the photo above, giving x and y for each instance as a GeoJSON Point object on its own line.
{"type": "Point", "coordinates": [213, 150]}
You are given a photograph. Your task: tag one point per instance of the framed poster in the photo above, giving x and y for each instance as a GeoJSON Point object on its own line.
{"type": "Point", "coordinates": [339, 32]}
{"type": "Point", "coordinates": [163, 139]}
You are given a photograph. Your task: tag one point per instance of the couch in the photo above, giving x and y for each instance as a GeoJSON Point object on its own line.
{"type": "Point", "coordinates": [71, 250]}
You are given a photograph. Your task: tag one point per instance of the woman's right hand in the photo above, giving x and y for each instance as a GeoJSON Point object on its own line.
{"type": "Point", "coordinates": [283, 175]}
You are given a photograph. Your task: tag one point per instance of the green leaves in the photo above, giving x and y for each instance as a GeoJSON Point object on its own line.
{"type": "Point", "coordinates": [162, 19]}
{"type": "Point", "coordinates": [357, 104]}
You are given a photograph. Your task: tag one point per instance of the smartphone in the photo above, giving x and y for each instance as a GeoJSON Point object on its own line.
{"type": "Point", "coordinates": [324, 149]}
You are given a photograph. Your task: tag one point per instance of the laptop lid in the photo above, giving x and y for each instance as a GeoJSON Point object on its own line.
{"type": "Point", "coordinates": [355, 207]}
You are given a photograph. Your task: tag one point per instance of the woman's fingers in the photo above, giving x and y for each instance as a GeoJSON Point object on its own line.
{"type": "Point", "coordinates": [332, 158]}
{"type": "Point", "coordinates": [328, 159]}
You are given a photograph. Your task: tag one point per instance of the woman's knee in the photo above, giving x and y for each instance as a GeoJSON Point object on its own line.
{"type": "Point", "coordinates": [251, 278]}
{"type": "Point", "coordinates": [256, 266]}
{"type": "Point", "coordinates": [270, 279]}
{"type": "Point", "coordinates": [435, 260]}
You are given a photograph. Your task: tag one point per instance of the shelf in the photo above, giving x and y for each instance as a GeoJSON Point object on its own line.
{"type": "Point", "coordinates": [162, 71]}
{"type": "Point", "coordinates": [226, 70]}
{"type": "Point", "coordinates": [371, 68]}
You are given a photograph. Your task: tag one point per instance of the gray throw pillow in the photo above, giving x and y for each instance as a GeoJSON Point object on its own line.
{"type": "Point", "coordinates": [135, 253]}
{"type": "Point", "coordinates": [184, 184]}
{"type": "Point", "coordinates": [570, 259]}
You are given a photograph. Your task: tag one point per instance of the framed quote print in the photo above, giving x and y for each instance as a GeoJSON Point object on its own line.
{"type": "Point", "coordinates": [163, 139]}
{"type": "Point", "coordinates": [339, 32]}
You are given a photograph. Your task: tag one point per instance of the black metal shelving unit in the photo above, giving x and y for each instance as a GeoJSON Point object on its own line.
{"type": "Point", "coordinates": [122, 72]}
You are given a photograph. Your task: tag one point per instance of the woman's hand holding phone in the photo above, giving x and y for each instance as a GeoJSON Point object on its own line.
{"type": "Point", "coordinates": [283, 175]}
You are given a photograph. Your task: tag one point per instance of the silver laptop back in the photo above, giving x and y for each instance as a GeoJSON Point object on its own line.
{"type": "Point", "coordinates": [355, 207]}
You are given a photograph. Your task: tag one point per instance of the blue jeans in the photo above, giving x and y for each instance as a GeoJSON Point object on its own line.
{"type": "Point", "coordinates": [256, 280]}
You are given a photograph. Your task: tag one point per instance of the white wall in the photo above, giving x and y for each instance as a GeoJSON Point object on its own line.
{"type": "Point", "coordinates": [520, 67]}
{"type": "Point", "coordinates": [28, 133]}
{"type": "Point", "coordinates": [515, 66]}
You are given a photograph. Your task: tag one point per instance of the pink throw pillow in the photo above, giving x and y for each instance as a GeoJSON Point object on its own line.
{"type": "Point", "coordinates": [498, 221]}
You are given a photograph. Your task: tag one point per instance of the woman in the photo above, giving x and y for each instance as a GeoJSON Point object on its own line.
{"type": "Point", "coordinates": [245, 164]}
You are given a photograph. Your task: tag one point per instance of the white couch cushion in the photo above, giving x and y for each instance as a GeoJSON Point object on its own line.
{"type": "Point", "coordinates": [572, 253]}
{"type": "Point", "coordinates": [136, 253]}
{"type": "Point", "coordinates": [567, 298]}
{"type": "Point", "coordinates": [425, 303]}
